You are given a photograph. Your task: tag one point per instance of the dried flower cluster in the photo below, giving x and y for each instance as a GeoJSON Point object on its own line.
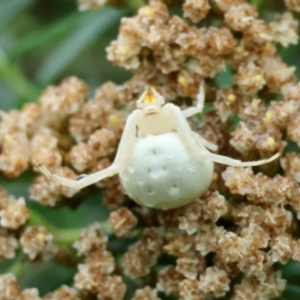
{"type": "Point", "coordinates": [245, 223]}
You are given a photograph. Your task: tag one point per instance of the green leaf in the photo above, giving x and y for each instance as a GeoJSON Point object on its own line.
{"type": "Point", "coordinates": [13, 76]}
{"type": "Point", "coordinates": [291, 270]}
{"type": "Point", "coordinates": [10, 8]}
{"type": "Point", "coordinates": [46, 34]}
{"type": "Point", "coordinates": [292, 292]}
{"type": "Point", "coordinates": [93, 26]}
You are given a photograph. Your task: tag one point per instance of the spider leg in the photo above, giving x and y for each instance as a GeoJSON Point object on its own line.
{"type": "Point", "coordinates": [199, 105]}
{"type": "Point", "coordinates": [202, 141]}
{"type": "Point", "coordinates": [195, 110]}
{"type": "Point", "coordinates": [122, 158]}
{"type": "Point", "coordinates": [199, 151]}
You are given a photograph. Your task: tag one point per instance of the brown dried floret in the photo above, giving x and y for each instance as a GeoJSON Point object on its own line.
{"type": "Point", "coordinates": [169, 58]}
{"type": "Point", "coordinates": [44, 149]}
{"type": "Point", "coordinates": [9, 287]}
{"type": "Point", "coordinates": [240, 180]}
{"type": "Point", "coordinates": [214, 206]}
{"type": "Point", "coordinates": [64, 293]}
{"type": "Point", "coordinates": [291, 91]}
{"type": "Point", "coordinates": [143, 254]}
{"type": "Point", "coordinates": [157, 38]}
{"type": "Point", "coordinates": [82, 157]}
{"type": "Point", "coordinates": [257, 237]}
{"type": "Point", "coordinates": [208, 237]}
{"type": "Point", "coordinates": [282, 248]}
{"type": "Point", "coordinates": [14, 153]}
{"type": "Point", "coordinates": [214, 282]}
{"type": "Point", "coordinates": [124, 51]}
{"type": "Point", "coordinates": [145, 294]}
{"type": "Point", "coordinates": [190, 264]}
{"type": "Point", "coordinates": [250, 78]}
{"type": "Point", "coordinates": [293, 4]}
{"type": "Point", "coordinates": [190, 217]}
{"type": "Point", "coordinates": [86, 279]}
{"type": "Point", "coordinates": [189, 290]}
{"type": "Point", "coordinates": [30, 117]}
{"type": "Point", "coordinates": [91, 238]}
{"type": "Point", "coordinates": [168, 280]}
{"type": "Point", "coordinates": [122, 221]}
{"type": "Point", "coordinates": [246, 290]}
{"type": "Point", "coordinates": [195, 10]}
{"type": "Point", "coordinates": [277, 73]}
{"type": "Point", "coordinates": [114, 196]}
{"type": "Point", "coordinates": [252, 289]}
{"type": "Point", "coordinates": [154, 12]}
{"type": "Point", "coordinates": [8, 245]}
{"type": "Point", "coordinates": [243, 138]}
{"type": "Point", "coordinates": [225, 5]}
{"type": "Point", "coordinates": [49, 192]}
{"type": "Point", "coordinates": [285, 29]}
{"type": "Point", "coordinates": [178, 242]}
{"type": "Point", "coordinates": [207, 66]}
{"type": "Point", "coordinates": [256, 264]}
{"type": "Point", "coordinates": [188, 83]}
{"type": "Point", "coordinates": [246, 214]}
{"type": "Point", "coordinates": [232, 248]}
{"type": "Point", "coordinates": [220, 41]}
{"type": "Point", "coordinates": [258, 33]}
{"type": "Point", "coordinates": [101, 262]}
{"type": "Point", "coordinates": [31, 294]}
{"type": "Point", "coordinates": [95, 269]}
{"type": "Point", "coordinates": [13, 213]}
{"type": "Point", "coordinates": [111, 287]}
{"type": "Point", "coordinates": [37, 243]}
{"type": "Point", "coordinates": [103, 142]}
{"type": "Point", "coordinates": [293, 131]}
{"type": "Point", "coordinates": [240, 15]}
{"type": "Point", "coordinates": [90, 117]}
{"type": "Point", "coordinates": [59, 102]}
{"type": "Point", "coordinates": [291, 165]}
{"type": "Point", "coordinates": [190, 39]}
{"type": "Point", "coordinates": [227, 102]}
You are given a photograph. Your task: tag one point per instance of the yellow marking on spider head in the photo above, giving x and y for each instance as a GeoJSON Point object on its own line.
{"type": "Point", "coordinates": [149, 96]}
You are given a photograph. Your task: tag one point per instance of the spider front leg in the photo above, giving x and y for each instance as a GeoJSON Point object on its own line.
{"type": "Point", "coordinates": [195, 110]}
{"type": "Point", "coordinates": [199, 104]}
{"type": "Point", "coordinates": [199, 151]}
{"type": "Point", "coordinates": [123, 155]}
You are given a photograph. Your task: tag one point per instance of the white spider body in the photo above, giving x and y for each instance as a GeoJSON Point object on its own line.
{"type": "Point", "coordinates": [162, 163]}
{"type": "Point", "coordinates": [162, 173]}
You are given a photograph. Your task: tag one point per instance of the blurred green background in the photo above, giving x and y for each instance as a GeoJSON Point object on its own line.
{"type": "Point", "coordinates": [43, 41]}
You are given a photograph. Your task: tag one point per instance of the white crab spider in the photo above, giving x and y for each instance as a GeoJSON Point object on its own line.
{"type": "Point", "coordinates": [161, 162]}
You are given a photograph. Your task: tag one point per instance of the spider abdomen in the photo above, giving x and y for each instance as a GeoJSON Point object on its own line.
{"type": "Point", "coordinates": [162, 174]}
